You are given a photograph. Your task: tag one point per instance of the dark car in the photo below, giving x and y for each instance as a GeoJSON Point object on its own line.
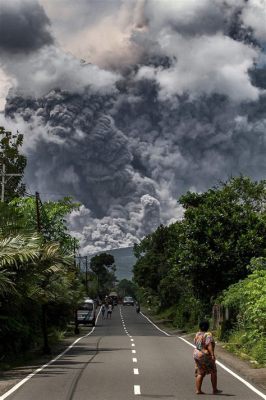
{"type": "Point", "coordinates": [128, 301]}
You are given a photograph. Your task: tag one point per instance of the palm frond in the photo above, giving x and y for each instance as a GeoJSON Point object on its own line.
{"type": "Point", "coordinates": [19, 249]}
{"type": "Point", "coordinates": [6, 284]}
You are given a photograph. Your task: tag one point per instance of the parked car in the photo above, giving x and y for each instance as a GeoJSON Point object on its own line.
{"type": "Point", "coordinates": [128, 301]}
{"type": "Point", "coordinates": [86, 312]}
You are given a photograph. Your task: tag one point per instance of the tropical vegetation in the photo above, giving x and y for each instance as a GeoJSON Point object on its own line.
{"type": "Point", "coordinates": [40, 285]}
{"type": "Point", "coordinates": [183, 269]}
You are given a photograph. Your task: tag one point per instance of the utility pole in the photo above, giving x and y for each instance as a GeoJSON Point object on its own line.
{"type": "Point", "coordinates": [38, 215]}
{"type": "Point", "coordinates": [86, 276]}
{"type": "Point", "coordinates": [3, 181]}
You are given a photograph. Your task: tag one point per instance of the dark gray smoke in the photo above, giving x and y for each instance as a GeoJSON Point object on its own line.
{"type": "Point", "coordinates": [24, 26]}
{"type": "Point", "coordinates": [190, 113]}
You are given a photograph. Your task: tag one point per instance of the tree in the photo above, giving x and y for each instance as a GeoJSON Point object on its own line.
{"type": "Point", "coordinates": [14, 162]}
{"type": "Point", "coordinates": [38, 271]}
{"type": "Point", "coordinates": [153, 255]}
{"type": "Point", "coordinates": [12, 220]}
{"type": "Point", "coordinates": [189, 263]}
{"type": "Point", "coordinates": [104, 268]}
{"type": "Point", "coordinates": [223, 229]}
{"type": "Point", "coordinates": [53, 219]}
{"type": "Point", "coordinates": [126, 288]}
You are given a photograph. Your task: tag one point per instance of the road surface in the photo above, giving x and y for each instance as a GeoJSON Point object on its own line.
{"type": "Point", "coordinates": [123, 359]}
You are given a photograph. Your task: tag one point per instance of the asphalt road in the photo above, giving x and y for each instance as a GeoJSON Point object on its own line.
{"type": "Point", "coordinates": [124, 358]}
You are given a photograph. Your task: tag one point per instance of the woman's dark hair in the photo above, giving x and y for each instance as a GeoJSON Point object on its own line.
{"type": "Point", "coordinates": [204, 326]}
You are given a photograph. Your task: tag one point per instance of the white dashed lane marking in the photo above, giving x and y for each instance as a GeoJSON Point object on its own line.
{"type": "Point", "coordinates": [137, 390]}
{"type": "Point", "coordinates": [135, 370]}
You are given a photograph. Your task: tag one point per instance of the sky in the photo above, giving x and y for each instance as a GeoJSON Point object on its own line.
{"type": "Point", "coordinates": [128, 104]}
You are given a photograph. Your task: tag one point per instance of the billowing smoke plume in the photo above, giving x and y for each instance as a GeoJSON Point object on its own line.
{"type": "Point", "coordinates": [185, 110]}
{"type": "Point", "coordinates": [24, 27]}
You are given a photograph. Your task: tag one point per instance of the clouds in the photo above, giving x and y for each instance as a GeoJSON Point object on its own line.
{"type": "Point", "coordinates": [24, 27]}
{"type": "Point", "coordinates": [254, 15]}
{"type": "Point", "coordinates": [178, 106]}
{"type": "Point", "coordinates": [52, 68]}
{"type": "Point", "coordinates": [203, 58]}
{"type": "Point", "coordinates": [31, 58]}
{"type": "Point", "coordinates": [200, 65]}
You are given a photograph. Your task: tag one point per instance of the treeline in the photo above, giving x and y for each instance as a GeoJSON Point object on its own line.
{"type": "Point", "coordinates": [215, 254]}
{"type": "Point", "coordinates": [40, 286]}
{"type": "Point", "coordinates": [39, 283]}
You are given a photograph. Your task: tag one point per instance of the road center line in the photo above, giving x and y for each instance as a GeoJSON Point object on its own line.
{"type": "Point", "coordinates": [133, 344]}
{"type": "Point", "coordinates": [133, 351]}
{"type": "Point", "coordinates": [137, 389]}
{"type": "Point", "coordinates": [134, 360]}
{"type": "Point", "coordinates": [136, 371]}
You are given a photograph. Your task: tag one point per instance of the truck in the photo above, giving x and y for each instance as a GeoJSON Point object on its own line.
{"type": "Point", "coordinates": [114, 297]}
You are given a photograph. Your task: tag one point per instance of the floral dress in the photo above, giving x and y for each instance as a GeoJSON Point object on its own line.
{"type": "Point", "coordinates": [204, 362]}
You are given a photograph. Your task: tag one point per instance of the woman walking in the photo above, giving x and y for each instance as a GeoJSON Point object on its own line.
{"type": "Point", "coordinates": [204, 357]}
{"type": "Point", "coordinates": [109, 311]}
{"type": "Point", "coordinates": [103, 311]}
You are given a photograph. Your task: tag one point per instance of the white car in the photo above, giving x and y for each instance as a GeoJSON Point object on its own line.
{"type": "Point", "coordinates": [86, 313]}
{"type": "Point", "coordinates": [128, 301]}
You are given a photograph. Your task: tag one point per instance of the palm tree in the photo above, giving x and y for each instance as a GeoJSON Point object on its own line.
{"type": "Point", "coordinates": [15, 251]}
{"type": "Point", "coordinates": [49, 271]}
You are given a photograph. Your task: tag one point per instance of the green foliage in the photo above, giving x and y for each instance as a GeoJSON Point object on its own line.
{"type": "Point", "coordinates": [188, 312]}
{"type": "Point", "coordinates": [15, 163]}
{"type": "Point", "coordinates": [104, 268]}
{"type": "Point", "coordinates": [154, 258]}
{"type": "Point", "coordinates": [12, 220]}
{"type": "Point", "coordinates": [247, 300]}
{"type": "Point", "coordinates": [249, 349]}
{"type": "Point", "coordinates": [223, 230]}
{"type": "Point", "coordinates": [126, 288]}
{"type": "Point", "coordinates": [248, 297]}
{"type": "Point", "coordinates": [189, 263]}
{"type": "Point", "coordinates": [53, 219]}
{"type": "Point", "coordinates": [19, 249]}
{"type": "Point", "coordinates": [37, 275]}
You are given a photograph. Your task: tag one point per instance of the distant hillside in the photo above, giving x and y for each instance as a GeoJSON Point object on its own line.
{"type": "Point", "coordinates": [124, 260]}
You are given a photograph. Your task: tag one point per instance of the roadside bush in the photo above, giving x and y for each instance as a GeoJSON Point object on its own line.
{"type": "Point", "coordinates": [258, 351]}
{"type": "Point", "coordinates": [248, 298]}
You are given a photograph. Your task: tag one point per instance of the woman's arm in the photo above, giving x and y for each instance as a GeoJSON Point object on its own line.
{"type": "Point", "coordinates": [210, 348]}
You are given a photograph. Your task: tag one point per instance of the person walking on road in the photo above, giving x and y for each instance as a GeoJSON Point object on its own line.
{"type": "Point", "coordinates": [103, 311]}
{"type": "Point", "coordinates": [204, 357]}
{"type": "Point", "coordinates": [109, 311]}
